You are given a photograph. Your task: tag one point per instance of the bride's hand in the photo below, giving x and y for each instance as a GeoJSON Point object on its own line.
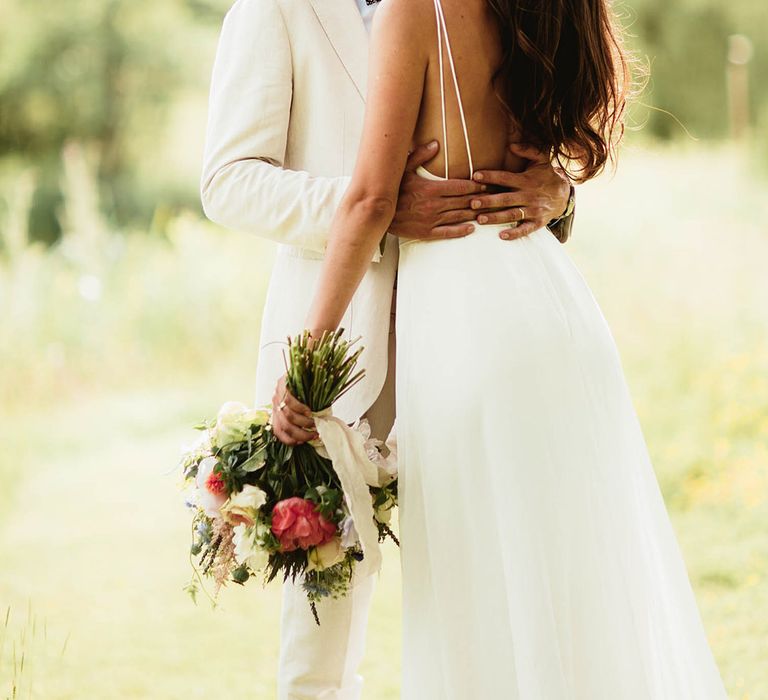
{"type": "Point", "coordinates": [292, 421]}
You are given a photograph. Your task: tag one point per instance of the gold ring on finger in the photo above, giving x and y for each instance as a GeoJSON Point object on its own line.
{"type": "Point", "coordinates": [522, 213]}
{"type": "Point", "coordinates": [281, 406]}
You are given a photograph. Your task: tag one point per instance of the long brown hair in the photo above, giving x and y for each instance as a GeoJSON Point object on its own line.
{"type": "Point", "coordinates": [565, 78]}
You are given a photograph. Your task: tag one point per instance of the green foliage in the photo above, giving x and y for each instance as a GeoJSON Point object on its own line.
{"type": "Point", "coordinates": [128, 80]}
{"type": "Point", "coordinates": [240, 575]}
{"type": "Point", "coordinates": [321, 370]}
{"type": "Point", "coordinates": [104, 74]}
{"type": "Point", "coordinates": [24, 650]}
{"type": "Point", "coordinates": [331, 582]}
{"type": "Point", "coordinates": [100, 307]}
{"type": "Point", "coordinates": [686, 45]}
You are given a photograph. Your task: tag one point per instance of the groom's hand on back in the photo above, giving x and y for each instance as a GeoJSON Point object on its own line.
{"type": "Point", "coordinates": [436, 209]}
{"type": "Point", "coordinates": [433, 209]}
{"type": "Point", "coordinates": [536, 195]}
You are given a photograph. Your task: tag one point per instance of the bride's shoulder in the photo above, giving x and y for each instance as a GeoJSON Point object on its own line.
{"type": "Point", "coordinates": [416, 17]}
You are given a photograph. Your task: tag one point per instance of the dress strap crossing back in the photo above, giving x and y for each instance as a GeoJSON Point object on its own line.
{"type": "Point", "coordinates": [442, 35]}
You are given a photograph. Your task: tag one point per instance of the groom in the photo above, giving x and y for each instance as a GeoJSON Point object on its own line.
{"type": "Point", "coordinates": [285, 120]}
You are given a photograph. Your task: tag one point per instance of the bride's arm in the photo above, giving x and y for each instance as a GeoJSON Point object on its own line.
{"type": "Point", "coordinates": [398, 61]}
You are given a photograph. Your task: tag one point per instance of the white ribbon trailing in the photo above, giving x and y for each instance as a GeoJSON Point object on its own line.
{"type": "Point", "coordinates": [346, 449]}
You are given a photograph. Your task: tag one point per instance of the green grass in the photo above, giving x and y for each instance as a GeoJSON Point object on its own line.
{"type": "Point", "coordinates": [99, 550]}
{"type": "Point", "coordinates": [92, 532]}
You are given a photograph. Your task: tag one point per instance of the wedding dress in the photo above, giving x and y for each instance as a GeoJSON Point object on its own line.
{"type": "Point", "coordinates": [538, 559]}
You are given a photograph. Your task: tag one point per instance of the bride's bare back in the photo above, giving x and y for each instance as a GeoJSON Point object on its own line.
{"type": "Point", "coordinates": [404, 106]}
{"type": "Point", "coordinates": [475, 45]}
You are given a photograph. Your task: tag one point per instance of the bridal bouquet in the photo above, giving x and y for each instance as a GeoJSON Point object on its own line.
{"type": "Point", "coordinates": [261, 507]}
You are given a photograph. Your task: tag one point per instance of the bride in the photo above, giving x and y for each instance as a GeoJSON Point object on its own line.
{"type": "Point", "coordinates": [538, 559]}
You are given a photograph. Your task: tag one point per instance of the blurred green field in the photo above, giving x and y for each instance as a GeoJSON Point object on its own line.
{"type": "Point", "coordinates": [112, 346]}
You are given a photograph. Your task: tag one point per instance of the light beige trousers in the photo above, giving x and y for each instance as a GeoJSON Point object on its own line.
{"type": "Point", "coordinates": [321, 663]}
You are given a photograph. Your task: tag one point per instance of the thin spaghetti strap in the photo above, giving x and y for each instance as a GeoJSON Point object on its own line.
{"type": "Point", "coordinates": [442, 85]}
{"type": "Point", "coordinates": [442, 29]}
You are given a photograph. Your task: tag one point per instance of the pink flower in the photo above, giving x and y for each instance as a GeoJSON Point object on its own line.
{"type": "Point", "coordinates": [297, 524]}
{"type": "Point", "coordinates": [215, 484]}
{"type": "Point", "coordinates": [211, 488]}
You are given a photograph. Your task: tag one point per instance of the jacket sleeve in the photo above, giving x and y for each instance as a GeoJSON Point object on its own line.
{"type": "Point", "coordinates": [561, 228]}
{"type": "Point", "coordinates": [244, 185]}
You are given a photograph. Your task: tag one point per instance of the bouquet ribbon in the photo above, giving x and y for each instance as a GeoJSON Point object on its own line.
{"type": "Point", "coordinates": [346, 449]}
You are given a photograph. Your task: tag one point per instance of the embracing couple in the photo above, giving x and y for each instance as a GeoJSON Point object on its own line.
{"type": "Point", "coordinates": [538, 559]}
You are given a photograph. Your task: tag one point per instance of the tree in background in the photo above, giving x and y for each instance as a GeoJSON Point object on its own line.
{"type": "Point", "coordinates": [107, 74]}
{"type": "Point", "coordinates": [100, 73]}
{"type": "Point", "coordinates": [686, 43]}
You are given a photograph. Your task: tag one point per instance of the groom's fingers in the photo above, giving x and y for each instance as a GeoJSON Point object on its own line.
{"type": "Point", "coordinates": [458, 231]}
{"type": "Point", "coordinates": [506, 216]}
{"type": "Point", "coordinates": [422, 205]}
{"type": "Point", "coordinates": [456, 187]}
{"type": "Point", "coordinates": [456, 216]}
{"type": "Point", "coordinates": [502, 178]}
{"type": "Point", "coordinates": [520, 231]}
{"type": "Point", "coordinates": [421, 155]}
{"type": "Point", "coordinates": [506, 200]}
{"type": "Point", "coordinates": [443, 188]}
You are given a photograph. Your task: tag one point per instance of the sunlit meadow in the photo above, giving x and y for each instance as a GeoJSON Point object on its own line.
{"type": "Point", "coordinates": [114, 343]}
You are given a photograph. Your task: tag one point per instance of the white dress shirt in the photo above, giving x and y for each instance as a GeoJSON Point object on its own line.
{"type": "Point", "coordinates": [367, 12]}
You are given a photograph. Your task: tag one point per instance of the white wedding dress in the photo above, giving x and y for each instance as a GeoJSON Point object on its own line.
{"type": "Point", "coordinates": [538, 559]}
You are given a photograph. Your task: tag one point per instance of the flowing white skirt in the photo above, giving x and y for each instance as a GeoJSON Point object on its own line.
{"type": "Point", "coordinates": [538, 559]}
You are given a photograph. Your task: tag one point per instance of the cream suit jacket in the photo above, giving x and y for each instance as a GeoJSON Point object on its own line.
{"type": "Point", "coordinates": [285, 118]}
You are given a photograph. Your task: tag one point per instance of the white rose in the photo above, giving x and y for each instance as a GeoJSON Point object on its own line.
{"type": "Point", "coordinates": [246, 550]}
{"type": "Point", "coordinates": [384, 512]}
{"type": "Point", "coordinates": [383, 515]}
{"type": "Point", "coordinates": [262, 530]}
{"type": "Point", "coordinates": [243, 506]}
{"type": "Point", "coordinates": [234, 419]}
{"type": "Point", "coordinates": [325, 555]}
{"type": "Point", "coordinates": [243, 538]}
{"type": "Point", "coordinates": [258, 560]}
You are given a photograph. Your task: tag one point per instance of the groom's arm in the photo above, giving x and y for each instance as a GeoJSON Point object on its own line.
{"type": "Point", "coordinates": [244, 185]}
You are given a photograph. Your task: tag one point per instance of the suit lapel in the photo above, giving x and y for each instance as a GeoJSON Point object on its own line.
{"type": "Point", "coordinates": [344, 28]}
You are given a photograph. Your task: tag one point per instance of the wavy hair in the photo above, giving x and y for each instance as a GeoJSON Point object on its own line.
{"type": "Point", "coordinates": [564, 78]}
